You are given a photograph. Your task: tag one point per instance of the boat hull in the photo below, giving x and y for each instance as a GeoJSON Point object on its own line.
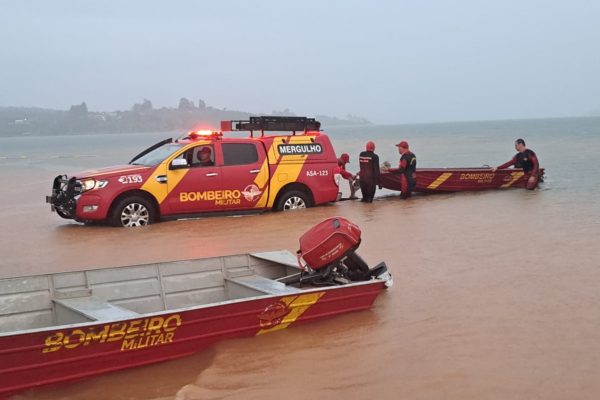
{"type": "Point", "coordinates": [430, 180]}
{"type": "Point", "coordinates": [65, 353]}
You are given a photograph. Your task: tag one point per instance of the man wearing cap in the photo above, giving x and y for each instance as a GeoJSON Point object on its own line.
{"type": "Point", "coordinates": [204, 157]}
{"type": "Point", "coordinates": [369, 172]}
{"type": "Point", "coordinates": [341, 169]}
{"type": "Point", "coordinates": [407, 167]}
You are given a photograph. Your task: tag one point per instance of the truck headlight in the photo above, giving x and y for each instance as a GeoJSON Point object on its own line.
{"type": "Point", "coordinates": [89, 184]}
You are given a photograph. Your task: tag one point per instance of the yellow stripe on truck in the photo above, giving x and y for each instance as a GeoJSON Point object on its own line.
{"type": "Point", "coordinates": [441, 179]}
{"type": "Point", "coordinates": [287, 170]}
{"type": "Point", "coordinates": [299, 305]}
{"type": "Point", "coordinates": [161, 190]}
{"type": "Point", "coordinates": [274, 151]}
{"type": "Point", "coordinates": [262, 178]}
{"type": "Point", "coordinates": [263, 175]}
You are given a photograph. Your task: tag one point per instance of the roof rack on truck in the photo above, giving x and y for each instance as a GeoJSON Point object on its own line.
{"type": "Point", "coordinates": [271, 123]}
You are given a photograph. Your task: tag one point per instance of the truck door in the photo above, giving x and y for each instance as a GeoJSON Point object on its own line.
{"type": "Point", "coordinates": [245, 175]}
{"type": "Point", "coordinates": [197, 185]}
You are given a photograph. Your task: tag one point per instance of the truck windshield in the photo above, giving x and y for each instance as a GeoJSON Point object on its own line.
{"type": "Point", "coordinates": [156, 156]}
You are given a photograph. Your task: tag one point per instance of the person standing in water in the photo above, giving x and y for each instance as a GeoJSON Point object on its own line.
{"type": "Point", "coordinates": [341, 170]}
{"type": "Point", "coordinates": [526, 159]}
{"type": "Point", "coordinates": [407, 168]}
{"type": "Point", "coordinates": [369, 172]}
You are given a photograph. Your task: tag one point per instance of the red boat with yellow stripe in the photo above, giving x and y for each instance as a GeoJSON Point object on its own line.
{"type": "Point", "coordinates": [430, 180]}
{"type": "Point", "coordinates": [66, 326]}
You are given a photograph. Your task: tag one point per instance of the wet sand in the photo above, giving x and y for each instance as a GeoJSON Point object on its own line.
{"type": "Point", "coordinates": [496, 296]}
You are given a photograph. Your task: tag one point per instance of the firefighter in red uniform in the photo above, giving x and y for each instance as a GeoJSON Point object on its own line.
{"type": "Point", "coordinates": [526, 159]}
{"type": "Point", "coordinates": [407, 167]}
{"type": "Point", "coordinates": [369, 172]}
{"type": "Point", "coordinates": [341, 169]}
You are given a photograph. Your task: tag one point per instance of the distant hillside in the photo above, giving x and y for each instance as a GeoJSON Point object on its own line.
{"type": "Point", "coordinates": [143, 117]}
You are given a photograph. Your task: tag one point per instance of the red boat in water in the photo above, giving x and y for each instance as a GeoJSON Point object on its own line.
{"type": "Point", "coordinates": [461, 179]}
{"type": "Point", "coordinates": [70, 325]}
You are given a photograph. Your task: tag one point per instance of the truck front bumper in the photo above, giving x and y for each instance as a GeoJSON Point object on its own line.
{"type": "Point", "coordinates": [64, 196]}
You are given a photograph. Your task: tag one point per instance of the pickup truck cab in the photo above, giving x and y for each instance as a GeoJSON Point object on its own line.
{"type": "Point", "coordinates": [206, 172]}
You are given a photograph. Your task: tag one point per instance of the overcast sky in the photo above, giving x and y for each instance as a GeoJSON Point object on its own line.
{"type": "Point", "coordinates": [389, 61]}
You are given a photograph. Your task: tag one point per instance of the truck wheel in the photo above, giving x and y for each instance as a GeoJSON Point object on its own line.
{"type": "Point", "coordinates": [63, 214]}
{"type": "Point", "coordinates": [293, 200]}
{"type": "Point", "coordinates": [132, 211]}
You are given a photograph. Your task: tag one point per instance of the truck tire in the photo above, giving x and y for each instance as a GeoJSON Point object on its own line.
{"type": "Point", "coordinates": [63, 214]}
{"type": "Point", "coordinates": [293, 200]}
{"type": "Point", "coordinates": [131, 212]}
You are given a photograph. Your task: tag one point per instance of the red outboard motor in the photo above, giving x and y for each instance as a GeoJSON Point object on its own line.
{"type": "Point", "coordinates": [328, 250]}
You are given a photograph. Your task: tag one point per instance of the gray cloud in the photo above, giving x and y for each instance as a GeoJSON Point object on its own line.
{"type": "Point", "coordinates": [388, 61]}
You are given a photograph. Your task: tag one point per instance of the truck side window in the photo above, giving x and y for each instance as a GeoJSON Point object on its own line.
{"type": "Point", "coordinates": [204, 156]}
{"type": "Point", "coordinates": [239, 153]}
{"type": "Point", "coordinates": [199, 156]}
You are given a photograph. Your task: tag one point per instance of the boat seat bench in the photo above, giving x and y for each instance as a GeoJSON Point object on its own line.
{"type": "Point", "coordinates": [96, 309]}
{"type": "Point", "coordinates": [264, 285]}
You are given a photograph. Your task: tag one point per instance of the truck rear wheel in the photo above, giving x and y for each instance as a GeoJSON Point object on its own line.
{"type": "Point", "coordinates": [293, 200]}
{"type": "Point", "coordinates": [131, 212]}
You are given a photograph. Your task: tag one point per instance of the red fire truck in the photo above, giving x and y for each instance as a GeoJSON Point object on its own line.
{"type": "Point", "coordinates": [204, 171]}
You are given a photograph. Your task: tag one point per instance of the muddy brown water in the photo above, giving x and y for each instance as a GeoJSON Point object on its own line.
{"type": "Point", "coordinates": [496, 295]}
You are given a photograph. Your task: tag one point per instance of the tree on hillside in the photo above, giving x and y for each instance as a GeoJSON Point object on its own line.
{"type": "Point", "coordinates": [185, 104]}
{"type": "Point", "coordinates": [145, 106]}
{"type": "Point", "coordinates": [80, 110]}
